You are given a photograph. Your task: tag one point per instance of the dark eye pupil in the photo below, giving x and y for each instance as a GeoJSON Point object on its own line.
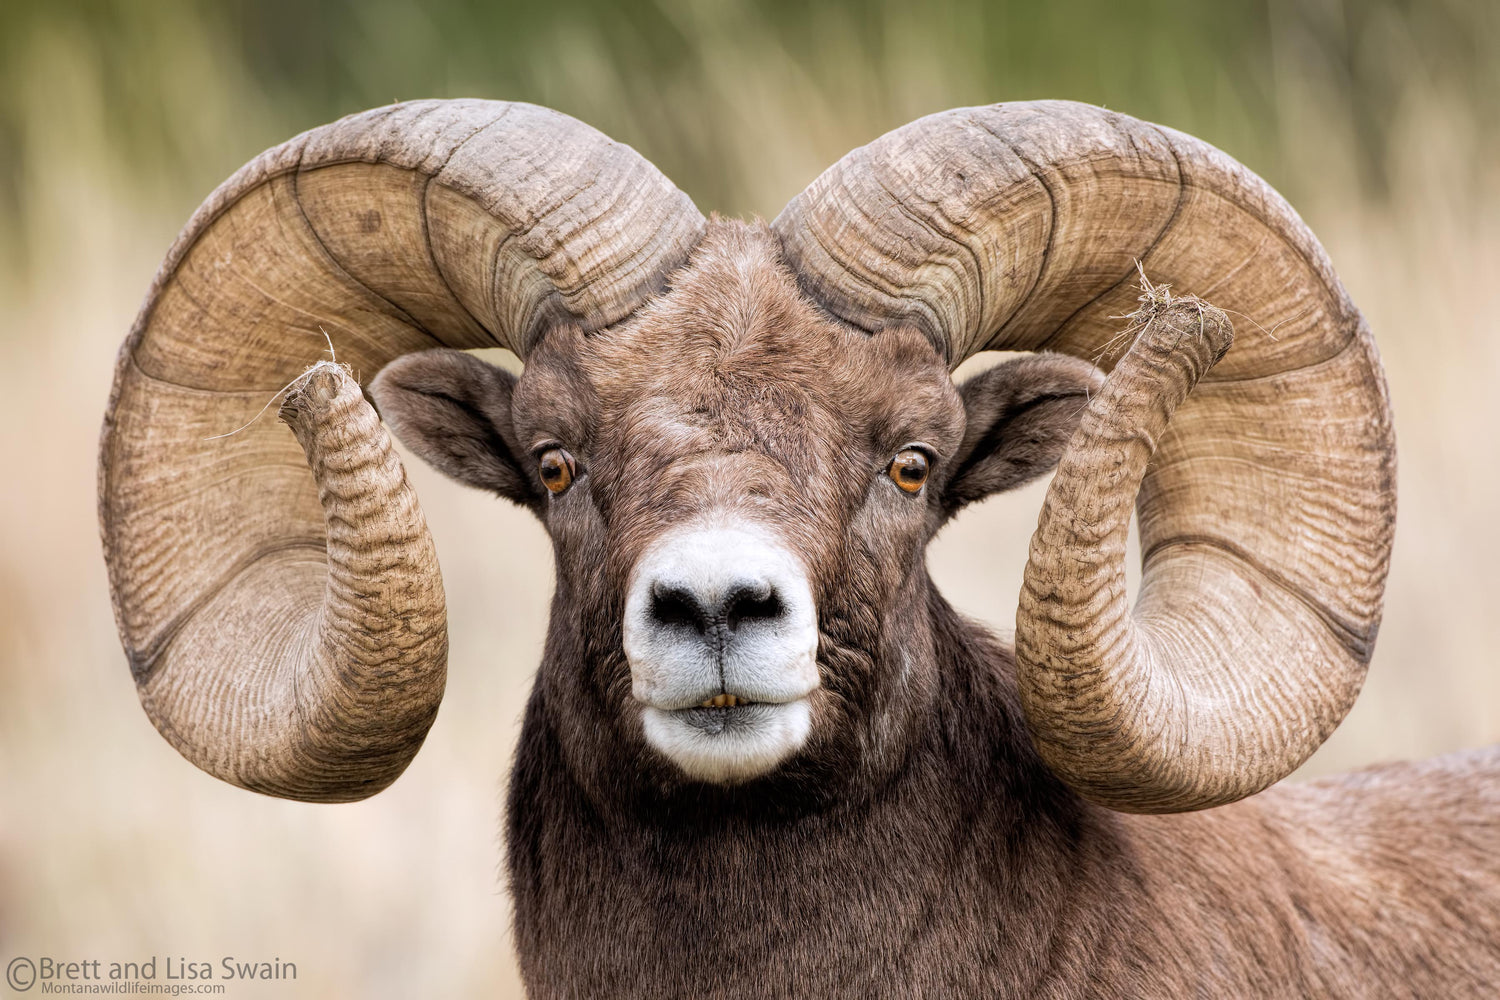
{"type": "Point", "coordinates": [909, 470]}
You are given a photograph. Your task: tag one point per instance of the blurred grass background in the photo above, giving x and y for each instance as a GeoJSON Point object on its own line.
{"type": "Point", "coordinates": [1377, 118]}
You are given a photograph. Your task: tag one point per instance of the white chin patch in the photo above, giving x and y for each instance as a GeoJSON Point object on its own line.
{"type": "Point", "coordinates": [728, 745]}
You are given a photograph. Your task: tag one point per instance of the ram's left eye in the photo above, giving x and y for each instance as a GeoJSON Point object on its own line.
{"type": "Point", "coordinates": [909, 469]}
{"type": "Point", "coordinates": [556, 468]}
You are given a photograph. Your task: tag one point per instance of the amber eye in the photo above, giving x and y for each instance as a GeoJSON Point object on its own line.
{"type": "Point", "coordinates": [909, 469]}
{"type": "Point", "coordinates": [555, 466]}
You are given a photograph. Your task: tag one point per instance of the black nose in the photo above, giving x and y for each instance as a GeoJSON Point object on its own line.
{"type": "Point", "coordinates": [716, 615]}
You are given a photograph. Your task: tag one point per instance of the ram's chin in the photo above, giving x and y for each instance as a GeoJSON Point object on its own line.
{"type": "Point", "coordinates": [726, 746]}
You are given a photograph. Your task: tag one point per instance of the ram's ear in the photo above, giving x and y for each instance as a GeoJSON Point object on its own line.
{"type": "Point", "coordinates": [453, 410]}
{"type": "Point", "coordinates": [1020, 417]}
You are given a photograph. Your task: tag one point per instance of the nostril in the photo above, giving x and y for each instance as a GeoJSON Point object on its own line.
{"type": "Point", "coordinates": [674, 606]}
{"type": "Point", "coordinates": [752, 604]}
{"type": "Point", "coordinates": [677, 606]}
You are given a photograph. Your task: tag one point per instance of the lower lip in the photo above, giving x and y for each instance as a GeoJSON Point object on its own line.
{"type": "Point", "coordinates": [714, 721]}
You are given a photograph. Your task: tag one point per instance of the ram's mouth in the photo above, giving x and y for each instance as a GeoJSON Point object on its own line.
{"type": "Point", "coordinates": [724, 713]}
{"type": "Point", "coordinates": [725, 701]}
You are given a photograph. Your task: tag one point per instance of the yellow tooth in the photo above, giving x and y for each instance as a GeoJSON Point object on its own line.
{"type": "Point", "coordinates": [723, 701]}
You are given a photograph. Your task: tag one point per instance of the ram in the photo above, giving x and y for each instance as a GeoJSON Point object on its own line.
{"type": "Point", "coordinates": [763, 756]}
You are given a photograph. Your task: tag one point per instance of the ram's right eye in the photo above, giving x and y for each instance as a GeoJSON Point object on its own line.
{"type": "Point", "coordinates": [909, 469]}
{"type": "Point", "coordinates": [556, 468]}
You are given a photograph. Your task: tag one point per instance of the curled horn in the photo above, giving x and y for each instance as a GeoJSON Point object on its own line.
{"type": "Point", "coordinates": [287, 632]}
{"type": "Point", "coordinates": [1268, 506]}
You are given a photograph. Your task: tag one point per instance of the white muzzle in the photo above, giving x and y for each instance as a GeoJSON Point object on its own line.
{"type": "Point", "coordinates": [722, 639]}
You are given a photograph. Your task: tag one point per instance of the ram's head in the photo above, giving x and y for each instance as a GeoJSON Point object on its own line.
{"type": "Point", "coordinates": [740, 438]}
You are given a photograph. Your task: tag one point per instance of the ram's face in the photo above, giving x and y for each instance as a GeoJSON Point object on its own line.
{"type": "Point", "coordinates": [740, 476]}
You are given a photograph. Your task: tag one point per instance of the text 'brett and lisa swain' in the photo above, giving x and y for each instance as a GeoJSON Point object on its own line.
{"type": "Point", "coordinates": [173, 968]}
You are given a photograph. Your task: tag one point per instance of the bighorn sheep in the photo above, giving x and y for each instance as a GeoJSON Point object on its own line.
{"type": "Point", "coordinates": [763, 756]}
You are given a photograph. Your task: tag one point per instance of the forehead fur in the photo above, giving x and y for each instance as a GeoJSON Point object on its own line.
{"type": "Point", "coordinates": [735, 343]}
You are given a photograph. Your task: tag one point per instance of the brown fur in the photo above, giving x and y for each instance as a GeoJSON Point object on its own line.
{"type": "Point", "coordinates": [917, 846]}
